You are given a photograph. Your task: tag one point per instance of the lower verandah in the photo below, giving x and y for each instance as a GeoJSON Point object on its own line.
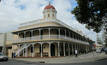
{"type": "Point", "coordinates": [51, 49]}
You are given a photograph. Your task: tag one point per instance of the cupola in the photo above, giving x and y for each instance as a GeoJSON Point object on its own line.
{"type": "Point", "coordinates": [49, 12]}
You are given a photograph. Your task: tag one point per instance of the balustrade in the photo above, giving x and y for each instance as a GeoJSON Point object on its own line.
{"type": "Point", "coordinates": [47, 37]}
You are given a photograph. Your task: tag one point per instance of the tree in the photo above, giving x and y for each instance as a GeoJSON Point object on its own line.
{"type": "Point", "coordinates": [91, 13]}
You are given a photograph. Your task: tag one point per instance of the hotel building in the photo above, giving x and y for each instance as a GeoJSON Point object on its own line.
{"type": "Point", "coordinates": [48, 37]}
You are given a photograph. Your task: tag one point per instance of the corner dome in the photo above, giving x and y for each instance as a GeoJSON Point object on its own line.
{"type": "Point", "coordinates": [49, 7]}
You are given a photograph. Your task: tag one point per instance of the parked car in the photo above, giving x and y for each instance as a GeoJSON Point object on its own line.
{"type": "Point", "coordinates": [105, 50]}
{"type": "Point", "coordinates": [3, 57]}
{"type": "Point", "coordinates": [98, 50]}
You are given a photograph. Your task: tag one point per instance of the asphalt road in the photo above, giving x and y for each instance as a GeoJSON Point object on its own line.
{"type": "Point", "coordinates": [14, 62]}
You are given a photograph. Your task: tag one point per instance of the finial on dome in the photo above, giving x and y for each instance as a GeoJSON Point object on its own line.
{"type": "Point", "coordinates": [49, 2]}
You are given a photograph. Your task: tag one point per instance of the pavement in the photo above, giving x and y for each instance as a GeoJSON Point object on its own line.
{"type": "Point", "coordinates": [90, 57]}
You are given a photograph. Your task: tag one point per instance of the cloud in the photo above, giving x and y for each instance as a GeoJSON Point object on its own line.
{"type": "Point", "coordinates": [63, 7]}
{"type": "Point", "coordinates": [14, 12]}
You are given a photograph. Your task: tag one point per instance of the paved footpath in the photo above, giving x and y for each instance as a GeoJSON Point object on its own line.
{"type": "Point", "coordinates": [90, 57]}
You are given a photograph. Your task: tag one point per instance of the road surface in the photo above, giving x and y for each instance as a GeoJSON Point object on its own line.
{"type": "Point", "coordinates": [15, 62]}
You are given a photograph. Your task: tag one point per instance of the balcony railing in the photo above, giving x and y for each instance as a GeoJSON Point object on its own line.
{"type": "Point", "coordinates": [47, 37]}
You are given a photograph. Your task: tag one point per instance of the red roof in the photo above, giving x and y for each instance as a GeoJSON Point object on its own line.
{"type": "Point", "coordinates": [49, 7]}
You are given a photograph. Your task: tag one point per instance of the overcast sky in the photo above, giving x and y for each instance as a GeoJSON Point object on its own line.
{"type": "Point", "coordinates": [14, 12]}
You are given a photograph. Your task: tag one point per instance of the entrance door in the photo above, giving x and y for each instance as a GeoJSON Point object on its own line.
{"type": "Point", "coordinates": [52, 50]}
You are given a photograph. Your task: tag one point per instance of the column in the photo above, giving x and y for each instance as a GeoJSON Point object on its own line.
{"type": "Point", "coordinates": [64, 48]}
{"type": "Point", "coordinates": [69, 49]}
{"type": "Point", "coordinates": [18, 54]}
{"type": "Point", "coordinates": [41, 50]}
{"type": "Point", "coordinates": [72, 49]}
{"type": "Point", "coordinates": [65, 33]}
{"type": "Point", "coordinates": [18, 37]}
{"type": "Point", "coordinates": [23, 52]}
{"type": "Point", "coordinates": [40, 34]}
{"type": "Point", "coordinates": [24, 36]}
{"type": "Point", "coordinates": [69, 34]}
{"type": "Point", "coordinates": [59, 32]}
{"type": "Point", "coordinates": [49, 49]}
{"type": "Point", "coordinates": [33, 54]}
{"type": "Point", "coordinates": [77, 46]}
{"type": "Point", "coordinates": [26, 50]}
{"type": "Point", "coordinates": [49, 33]}
{"type": "Point", "coordinates": [58, 49]}
{"type": "Point", "coordinates": [31, 34]}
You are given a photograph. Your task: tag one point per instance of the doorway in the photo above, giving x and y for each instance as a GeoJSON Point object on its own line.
{"type": "Point", "coordinates": [52, 50]}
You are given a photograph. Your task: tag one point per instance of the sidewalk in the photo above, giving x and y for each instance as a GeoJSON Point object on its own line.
{"type": "Point", "coordinates": [69, 59]}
